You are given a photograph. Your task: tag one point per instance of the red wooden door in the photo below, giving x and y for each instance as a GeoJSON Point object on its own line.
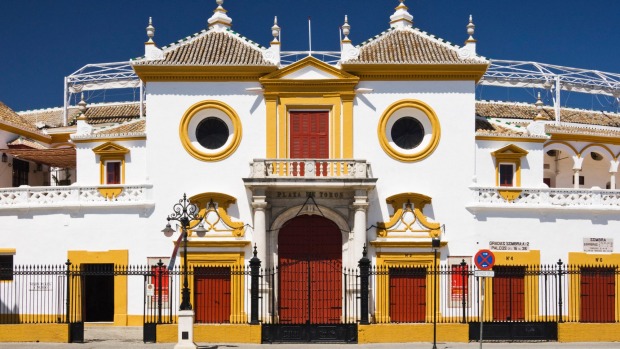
{"type": "Point", "coordinates": [407, 294]}
{"type": "Point", "coordinates": [509, 294]}
{"type": "Point", "coordinates": [309, 139]}
{"type": "Point", "coordinates": [212, 294]}
{"type": "Point", "coordinates": [310, 271]}
{"type": "Point", "coordinates": [597, 294]}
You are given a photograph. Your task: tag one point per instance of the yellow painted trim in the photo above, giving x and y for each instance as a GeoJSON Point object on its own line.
{"type": "Point", "coordinates": [575, 152]}
{"type": "Point", "coordinates": [393, 260]}
{"type": "Point", "coordinates": [6, 251]}
{"type": "Point", "coordinates": [19, 131]}
{"type": "Point", "coordinates": [237, 282]}
{"type": "Point", "coordinates": [586, 138]}
{"type": "Point", "coordinates": [213, 333]}
{"type": "Point", "coordinates": [598, 145]}
{"type": "Point", "coordinates": [60, 138]}
{"type": "Point", "coordinates": [405, 243]}
{"type": "Point", "coordinates": [577, 260]}
{"type": "Point", "coordinates": [184, 130]}
{"type": "Point", "coordinates": [201, 73]}
{"type": "Point", "coordinates": [508, 194]}
{"type": "Point", "coordinates": [405, 72]}
{"type": "Point", "coordinates": [271, 105]}
{"type": "Point", "coordinates": [51, 333]}
{"type": "Point", "coordinates": [109, 139]}
{"type": "Point", "coordinates": [402, 203]}
{"type": "Point", "coordinates": [511, 139]}
{"type": "Point", "coordinates": [510, 154]}
{"type": "Point", "coordinates": [116, 257]}
{"type": "Point", "coordinates": [223, 202]}
{"type": "Point", "coordinates": [110, 193]}
{"type": "Point", "coordinates": [588, 332]}
{"type": "Point", "coordinates": [218, 243]}
{"type": "Point", "coordinates": [529, 259]}
{"type": "Point", "coordinates": [435, 135]}
{"type": "Point", "coordinates": [110, 152]}
{"type": "Point", "coordinates": [407, 333]}
{"type": "Point", "coordinates": [347, 128]}
{"type": "Point", "coordinates": [309, 61]}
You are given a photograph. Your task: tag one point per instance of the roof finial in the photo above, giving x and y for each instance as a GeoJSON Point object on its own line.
{"type": "Point", "coordinates": [470, 29]}
{"type": "Point", "coordinates": [150, 31]}
{"type": "Point", "coordinates": [82, 105]}
{"type": "Point", "coordinates": [539, 108]}
{"type": "Point", "coordinates": [346, 29]}
{"type": "Point", "coordinates": [220, 19]}
{"type": "Point", "coordinates": [275, 31]}
{"type": "Point", "coordinates": [401, 18]}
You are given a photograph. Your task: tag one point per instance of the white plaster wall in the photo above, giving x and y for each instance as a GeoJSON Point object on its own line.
{"type": "Point", "coordinates": [445, 175]}
{"type": "Point", "coordinates": [531, 165]}
{"type": "Point", "coordinates": [135, 162]}
{"type": "Point", "coordinates": [173, 171]}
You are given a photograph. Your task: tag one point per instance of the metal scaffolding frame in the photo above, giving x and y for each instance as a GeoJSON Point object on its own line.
{"type": "Point", "coordinates": [502, 73]}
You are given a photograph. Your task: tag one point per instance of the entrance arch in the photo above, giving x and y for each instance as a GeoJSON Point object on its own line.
{"type": "Point", "coordinates": [310, 271]}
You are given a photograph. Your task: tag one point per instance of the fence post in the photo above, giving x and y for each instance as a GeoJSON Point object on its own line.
{"type": "Point", "coordinates": [560, 291]}
{"type": "Point", "coordinates": [255, 274]}
{"type": "Point", "coordinates": [465, 287]}
{"type": "Point", "coordinates": [364, 265]}
{"type": "Point", "coordinates": [68, 305]}
{"type": "Point", "coordinates": [160, 287]}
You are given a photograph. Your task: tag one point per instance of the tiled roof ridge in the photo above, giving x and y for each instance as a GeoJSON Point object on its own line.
{"type": "Point", "coordinates": [104, 132]}
{"type": "Point", "coordinates": [505, 124]}
{"type": "Point", "coordinates": [99, 104]}
{"type": "Point", "coordinates": [526, 104]}
{"type": "Point", "coordinates": [424, 34]}
{"type": "Point", "coordinates": [191, 38]}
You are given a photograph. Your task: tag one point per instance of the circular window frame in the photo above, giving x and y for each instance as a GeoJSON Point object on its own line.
{"type": "Point", "coordinates": [200, 111]}
{"type": "Point", "coordinates": [424, 114]}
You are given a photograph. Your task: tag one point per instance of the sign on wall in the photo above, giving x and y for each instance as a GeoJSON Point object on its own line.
{"type": "Point", "coordinates": [598, 245]}
{"type": "Point", "coordinates": [509, 245]}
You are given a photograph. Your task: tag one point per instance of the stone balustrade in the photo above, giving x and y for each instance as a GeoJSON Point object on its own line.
{"type": "Point", "coordinates": [76, 196]}
{"type": "Point", "coordinates": [309, 168]}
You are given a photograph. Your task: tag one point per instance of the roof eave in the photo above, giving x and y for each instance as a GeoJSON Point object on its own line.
{"type": "Point", "coordinates": [408, 71]}
{"type": "Point", "coordinates": [202, 72]}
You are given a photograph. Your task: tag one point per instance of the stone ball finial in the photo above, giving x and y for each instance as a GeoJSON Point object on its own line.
{"type": "Point", "coordinates": [82, 104]}
{"type": "Point", "coordinates": [346, 28]}
{"type": "Point", "coordinates": [470, 28]}
{"type": "Point", "coordinates": [150, 30]}
{"type": "Point", "coordinates": [275, 30]}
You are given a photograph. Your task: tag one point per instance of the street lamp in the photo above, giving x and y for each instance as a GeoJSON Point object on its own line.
{"type": "Point", "coordinates": [185, 212]}
{"type": "Point", "coordinates": [435, 244]}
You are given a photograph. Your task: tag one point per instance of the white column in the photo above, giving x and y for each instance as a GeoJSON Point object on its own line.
{"type": "Point", "coordinates": [576, 179]}
{"type": "Point", "coordinates": [613, 169]}
{"type": "Point", "coordinates": [259, 203]}
{"type": "Point", "coordinates": [577, 163]}
{"type": "Point", "coordinates": [360, 205]}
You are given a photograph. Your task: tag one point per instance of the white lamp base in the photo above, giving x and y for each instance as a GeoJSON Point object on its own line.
{"type": "Point", "coordinates": [186, 330]}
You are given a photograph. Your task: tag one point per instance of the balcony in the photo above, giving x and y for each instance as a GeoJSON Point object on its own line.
{"type": "Point", "coordinates": [304, 172]}
{"type": "Point", "coordinates": [489, 198]}
{"type": "Point", "coordinates": [72, 196]}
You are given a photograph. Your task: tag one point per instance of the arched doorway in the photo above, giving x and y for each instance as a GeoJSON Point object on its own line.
{"type": "Point", "coordinates": [310, 271]}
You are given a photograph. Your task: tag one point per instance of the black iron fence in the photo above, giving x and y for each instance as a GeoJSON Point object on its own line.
{"type": "Point", "coordinates": [366, 294]}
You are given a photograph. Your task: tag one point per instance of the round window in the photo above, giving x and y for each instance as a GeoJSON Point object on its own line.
{"type": "Point", "coordinates": [407, 132]}
{"type": "Point", "coordinates": [210, 130]}
{"type": "Point", "coordinates": [212, 133]}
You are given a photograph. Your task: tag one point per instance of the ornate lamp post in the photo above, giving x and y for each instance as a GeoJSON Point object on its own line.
{"type": "Point", "coordinates": [185, 213]}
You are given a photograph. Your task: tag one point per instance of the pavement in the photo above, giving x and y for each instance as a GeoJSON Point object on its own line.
{"type": "Point", "coordinates": [131, 337]}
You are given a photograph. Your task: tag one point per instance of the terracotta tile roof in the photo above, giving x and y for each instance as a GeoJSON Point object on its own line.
{"type": "Point", "coordinates": [129, 128]}
{"type": "Point", "coordinates": [211, 47]}
{"type": "Point", "coordinates": [48, 118]}
{"type": "Point", "coordinates": [512, 110]}
{"type": "Point", "coordinates": [11, 118]}
{"type": "Point", "coordinates": [54, 157]}
{"type": "Point", "coordinates": [486, 128]}
{"type": "Point", "coordinates": [112, 113]}
{"type": "Point", "coordinates": [25, 143]}
{"type": "Point", "coordinates": [410, 46]}
{"type": "Point", "coordinates": [582, 131]}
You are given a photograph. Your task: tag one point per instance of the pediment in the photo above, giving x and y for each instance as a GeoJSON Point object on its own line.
{"type": "Point", "coordinates": [510, 150]}
{"type": "Point", "coordinates": [110, 148]}
{"type": "Point", "coordinates": [309, 68]}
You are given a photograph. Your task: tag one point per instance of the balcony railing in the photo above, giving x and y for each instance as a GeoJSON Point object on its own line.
{"type": "Point", "coordinates": [76, 195]}
{"type": "Point", "coordinates": [309, 168]}
{"type": "Point", "coordinates": [535, 198]}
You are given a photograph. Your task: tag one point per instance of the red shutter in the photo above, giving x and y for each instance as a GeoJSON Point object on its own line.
{"type": "Point", "coordinates": [509, 294]}
{"type": "Point", "coordinates": [212, 294]}
{"type": "Point", "coordinates": [597, 295]}
{"type": "Point", "coordinates": [407, 294]}
{"type": "Point", "coordinates": [309, 135]}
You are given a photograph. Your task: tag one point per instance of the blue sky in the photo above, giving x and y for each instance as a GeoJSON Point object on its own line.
{"type": "Point", "coordinates": [42, 41]}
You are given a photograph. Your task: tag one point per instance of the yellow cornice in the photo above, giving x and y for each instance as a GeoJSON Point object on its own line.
{"type": "Point", "coordinates": [60, 137]}
{"type": "Point", "coordinates": [308, 62]}
{"type": "Point", "coordinates": [109, 139]}
{"type": "Point", "coordinates": [417, 71]}
{"type": "Point", "coordinates": [218, 243]}
{"type": "Point", "coordinates": [510, 151]}
{"type": "Point", "coordinates": [26, 133]}
{"type": "Point", "coordinates": [405, 244]}
{"type": "Point", "coordinates": [511, 139]}
{"type": "Point", "coordinates": [580, 138]}
{"type": "Point", "coordinates": [201, 73]}
{"type": "Point", "coordinates": [418, 200]}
